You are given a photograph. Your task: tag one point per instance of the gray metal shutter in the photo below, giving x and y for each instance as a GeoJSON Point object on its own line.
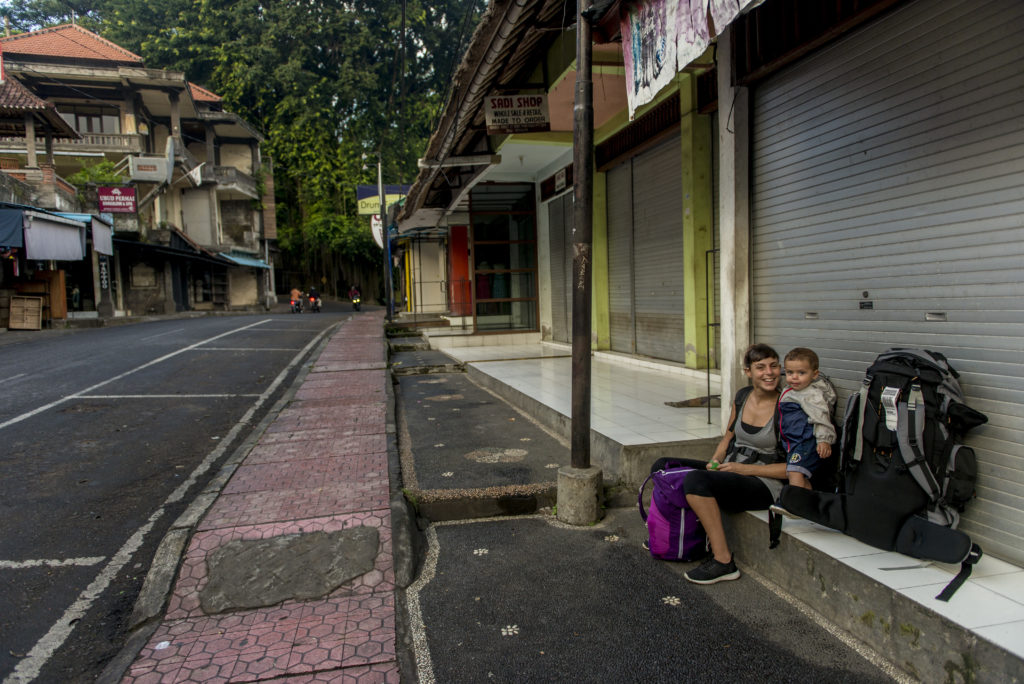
{"type": "Point", "coordinates": [560, 219]}
{"type": "Point", "coordinates": [887, 200]}
{"type": "Point", "coordinates": [658, 256]}
{"type": "Point", "coordinates": [620, 258]}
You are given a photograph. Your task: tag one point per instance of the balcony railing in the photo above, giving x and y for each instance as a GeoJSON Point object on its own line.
{"type": "Point", "coordinates": [124, 143]}
{"type": "Point", "coordinates": [230, 176]}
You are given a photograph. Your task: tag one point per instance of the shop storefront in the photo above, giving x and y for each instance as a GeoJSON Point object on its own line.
{"type": "Point", "coordinates": [886, 211]}
{"type": "Point", "coordinates": [504, 257]}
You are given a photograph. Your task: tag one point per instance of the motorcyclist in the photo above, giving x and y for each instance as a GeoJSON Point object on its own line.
{"type": "Point", "coordinates": [314, 298]}
{"type": "Point", "coordinates": [296, 298]}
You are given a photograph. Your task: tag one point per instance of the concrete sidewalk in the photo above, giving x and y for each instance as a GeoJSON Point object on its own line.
{"type": "Point", "coordinates": [255, 599]}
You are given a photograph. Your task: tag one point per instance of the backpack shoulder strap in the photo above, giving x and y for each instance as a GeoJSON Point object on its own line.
{"type": "Point", "coordinates": [910, 436]}
{"type": "Point", "coordinates": [862, 407]}
{"type": "Point", "coordinates": [737, 404]}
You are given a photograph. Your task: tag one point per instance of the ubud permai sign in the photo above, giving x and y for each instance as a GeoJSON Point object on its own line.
{"type": "Point", "coordinates": [116, 200]}
{"type": "Point", "coordinates": [519, 113]}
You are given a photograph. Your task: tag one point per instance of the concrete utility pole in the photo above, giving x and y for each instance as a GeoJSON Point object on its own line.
{"type": "Point", "coordinates": [579, 486]}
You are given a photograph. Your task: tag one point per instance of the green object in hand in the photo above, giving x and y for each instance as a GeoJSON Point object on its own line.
{"type": "Point", "coordinates": [714, 465]}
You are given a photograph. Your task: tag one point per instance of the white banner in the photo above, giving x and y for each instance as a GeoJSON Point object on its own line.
{"type": "Point", "coordinates": [692, 37]}
{"type": "Point", "coordinates": [648, 49]}
{"type": "Point", "coordinates": [661, 37]}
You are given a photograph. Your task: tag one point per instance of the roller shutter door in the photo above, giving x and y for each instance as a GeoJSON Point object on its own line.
{"type": "Point", "coordinates": [658, 255]}
{"type": "Point", "coordinates": [888, 191]}
{"type": "Point", "coordinates": [645, 231]}
{"type": "Point", "coordinates": [560, 218]}
{"type": "Point", "coordinates": [620, 258]}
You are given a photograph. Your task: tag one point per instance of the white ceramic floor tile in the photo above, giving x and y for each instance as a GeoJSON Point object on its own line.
{"type": "Point", "coordinates": [993, 566]}
{"type": "Point", "coordinates": [897, 571]}
{"type": "Point", "coordinates": [658, 437]}
{"type": "Point", "coordinates": [972, 606]}
{"type": "Point", "coordinates": [1010, 585]}
{"type": "Point", "coordinates": [1009, 635]}
{"type": "Point", "coordinates": [836, 544]}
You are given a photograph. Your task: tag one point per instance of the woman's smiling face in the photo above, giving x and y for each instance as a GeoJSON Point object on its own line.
{"type": "Point", "coordinates": [765, 374]}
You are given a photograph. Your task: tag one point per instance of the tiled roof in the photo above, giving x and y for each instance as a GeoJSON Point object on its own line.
{"type": "Point", "coordinates": [200, 94]}
{"type": "Point", "coordinates": [14, 96]}
{"type": "Point", "coordinates": [68, 42]}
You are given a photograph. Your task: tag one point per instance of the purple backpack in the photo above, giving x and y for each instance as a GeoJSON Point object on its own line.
{"type": "Point", "coordinates": [673, 530]}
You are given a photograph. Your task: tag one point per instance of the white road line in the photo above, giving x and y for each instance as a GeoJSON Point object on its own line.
{"type": "Point", "coordinates": [13, 377]}
{"type": "Point", "coordinates": [50, 562]}
{"type": "Point", "coordinates": [161, 396]}
{"type": "Point", "coordinates": [75, 395]}
{"type": "Point", "coordinates": [281, 330]}
{"type": "Point", "coordinates": [247, 349]}
{"type": "Point", "coordinates": [29, 667]}
{"type": "Point", "coordinates": [153, 337]}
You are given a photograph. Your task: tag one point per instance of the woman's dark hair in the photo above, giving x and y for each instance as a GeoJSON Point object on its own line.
{"type": "Point", "coordinates": [758, 352]}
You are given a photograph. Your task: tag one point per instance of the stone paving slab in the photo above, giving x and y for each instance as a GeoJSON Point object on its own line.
{"type": "Point", "coordinates": [321, 466]}
{"type": "Point", "coordinates": [253, 508]}
{"type": "Point", "coordinates": [184, 601]}
{"type": "Point", "coordinates": [284, 450]}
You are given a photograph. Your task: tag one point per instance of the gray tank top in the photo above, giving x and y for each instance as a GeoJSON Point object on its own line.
{"type": "Point", "coordinates": [756, 447]}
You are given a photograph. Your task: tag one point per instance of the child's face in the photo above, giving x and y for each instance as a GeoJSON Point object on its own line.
{"type": "Point", "coordinates": [799, 374]}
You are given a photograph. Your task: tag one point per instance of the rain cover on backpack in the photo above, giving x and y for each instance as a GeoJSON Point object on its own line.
{"type": "Point", "coordinates": [673, 530]}
{"type": "Point", "coordinates": [904, 475]}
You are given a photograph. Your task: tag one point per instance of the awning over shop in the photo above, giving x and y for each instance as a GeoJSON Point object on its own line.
{"type": "Point", "coordinates": [48, 236]}
{"type": "Point", "coordinates": [193, 255]}
{"type": "Point", "coordinates": [245, 260]}
{"type": "Point", "coordinates": [11, 228]}
{"type": "Point", "coordinates": [102, 232]}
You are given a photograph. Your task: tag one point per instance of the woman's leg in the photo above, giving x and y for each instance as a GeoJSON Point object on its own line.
{"type": "Point", "coordinates": [708, 492]}
{"type": "Point", "coordinates": [706, 508]}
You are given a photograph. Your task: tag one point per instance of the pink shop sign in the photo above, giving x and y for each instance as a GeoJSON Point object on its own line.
{"type": "Point", "coordinates": [117, 200]}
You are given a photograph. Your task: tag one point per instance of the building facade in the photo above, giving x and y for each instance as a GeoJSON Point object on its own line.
{"type": "Point", "coordinates": [191, 229]}
{"type": "Point", "coordinates": [844, 176]}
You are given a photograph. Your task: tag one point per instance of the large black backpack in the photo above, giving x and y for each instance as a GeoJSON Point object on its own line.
{"type": "Point", "coordinates": [904, 475]}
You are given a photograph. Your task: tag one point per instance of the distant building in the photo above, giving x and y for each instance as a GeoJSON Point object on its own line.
{"type": "Point", "coordinates": [193, 222]}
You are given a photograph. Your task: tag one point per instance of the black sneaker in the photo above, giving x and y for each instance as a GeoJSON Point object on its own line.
{"type": "Point", "coordinates": [711, 571]}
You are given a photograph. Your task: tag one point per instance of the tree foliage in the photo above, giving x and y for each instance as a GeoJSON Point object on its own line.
{"type": "Point", "coordinates": [331, 83]}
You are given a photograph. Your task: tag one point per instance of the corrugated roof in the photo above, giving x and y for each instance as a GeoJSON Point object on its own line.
{"type": "Point", "coordinates": [68, 42]}
{"type": "Point", "coordinates": [201, 94]}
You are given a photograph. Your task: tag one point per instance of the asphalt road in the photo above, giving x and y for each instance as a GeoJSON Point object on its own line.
{"type": "Point", "coordinates": [106, 435]}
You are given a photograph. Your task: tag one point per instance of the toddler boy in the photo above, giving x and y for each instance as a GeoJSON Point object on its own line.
{"type": "Point", "coordinates": [805, 410]}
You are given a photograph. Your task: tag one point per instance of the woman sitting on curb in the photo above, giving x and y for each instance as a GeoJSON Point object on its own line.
{"type": "Point", "coordinates": [746, 471]}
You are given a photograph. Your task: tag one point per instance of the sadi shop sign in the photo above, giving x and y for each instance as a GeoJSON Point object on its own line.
{"type": "Point", "coordinates": [521, 113]}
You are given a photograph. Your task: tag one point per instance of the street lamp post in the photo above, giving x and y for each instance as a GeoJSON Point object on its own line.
{"type": "Point", "coordinates": [386, 238]}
